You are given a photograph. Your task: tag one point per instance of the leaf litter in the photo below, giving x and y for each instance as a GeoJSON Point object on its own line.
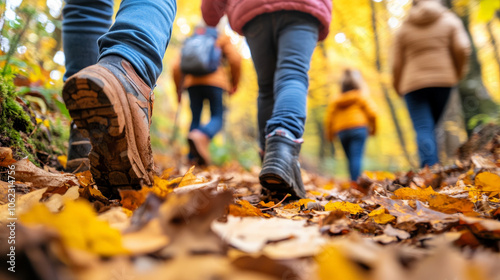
{"type": "Point", "coordinates": [216, 223]}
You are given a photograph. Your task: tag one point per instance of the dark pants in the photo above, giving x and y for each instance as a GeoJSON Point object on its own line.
{"type": "Point", "coordinates": [426, 107]}
{"type": "Point", "coordinates": [197, 95]}
{"type": "Point", "coordinates": [282, 44]}
{"type": "Point", "coordinates": [353, 142]}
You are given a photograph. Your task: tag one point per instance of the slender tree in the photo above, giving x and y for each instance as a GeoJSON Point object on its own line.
{"type": "Point", "coordinates": [384, 87]}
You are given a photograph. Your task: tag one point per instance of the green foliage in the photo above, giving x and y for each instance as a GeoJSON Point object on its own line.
{"type": "Point", "coordinates": [15, 123]}
{"type": "Point", "coordinates": [482, 119]}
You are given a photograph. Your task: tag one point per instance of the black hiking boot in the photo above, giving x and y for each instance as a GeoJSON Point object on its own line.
{"type": "Point", "coordinates": [78, 151]}
{"type": "Point", "coordinates": [281, 169]}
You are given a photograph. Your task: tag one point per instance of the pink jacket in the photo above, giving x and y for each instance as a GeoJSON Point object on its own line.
{"type": "Point", "coordinates": [240, 12]}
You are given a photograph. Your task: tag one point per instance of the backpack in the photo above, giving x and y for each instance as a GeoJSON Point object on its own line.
{"type": "Point", "coordinates": [199, 55]}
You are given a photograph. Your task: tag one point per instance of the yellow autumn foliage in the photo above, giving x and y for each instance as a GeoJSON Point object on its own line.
{"type": "Point", "coordinates": [437, 201]}
{"type": "Point", "coordinates": [381, 216]}
{"type": "Point", "coordinates": [332, 264]}
{"type": "Point", "coordinates": [344, 206]}
{"type": "Point", "coordinates": [78, 227]}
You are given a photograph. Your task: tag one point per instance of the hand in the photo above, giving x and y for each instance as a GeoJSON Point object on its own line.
{"type": "Point", "coordinates": [233, 90]}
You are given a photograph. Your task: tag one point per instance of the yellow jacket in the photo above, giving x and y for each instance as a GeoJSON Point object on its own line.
{"type": "Point", "coordinates": [350, 110]}
{"type": "Point", "coordinates": [219, 78]}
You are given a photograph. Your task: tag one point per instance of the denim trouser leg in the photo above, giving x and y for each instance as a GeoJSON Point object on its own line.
{"type": "Point", "coordinates": [282, 44]}
{"type": "Point", "coordinates": [197, 94]}
{"type": "Point", "coordinates": [426, 107]}
{"type": "Point", "coordinates": [353, 142]}
{"type": "Point", "coordinates": [140, 35]}
{"type": "Point", "coordinates": [83, 23]}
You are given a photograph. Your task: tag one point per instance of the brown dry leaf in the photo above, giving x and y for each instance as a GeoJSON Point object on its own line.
{"type": "Point", "coordinates": [149, 239]}
{"type": "Point", "coordinates": [6, 158]}
{"type": "Point", "coordinates": [437, 201]}
{"type": "Point", "coordinates": [186, 219]}
{"type": "Point", "coordinates": [26, 171]}
{"type": "Point", "coordinates": [400, 234]}
{"type": "Point", "coordinates": [245, 209]}
{"type": "Point", "coordinates": [84, 178]}
{"type": "Point", "coordinates": [344, 206]}
{"type": "Point", "coordinates": [4, 192]}
{"type": "Point", "coordinates": [381, 216]}
{"type": "Point", "coordinates": [485, 228]}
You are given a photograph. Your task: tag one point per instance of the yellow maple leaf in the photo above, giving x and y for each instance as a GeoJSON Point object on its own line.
{"type": "Point", "coordinates": [78, 227]}
{"type": "Point", "coordinates": [380, 175]}
{"type": "Point", "coordinates": [381, 216]}
{"type": "Point", "coordinates": [344, 206]}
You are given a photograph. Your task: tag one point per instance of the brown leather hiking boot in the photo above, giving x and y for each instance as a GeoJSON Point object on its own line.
{"type": "Point", "coordinates": [198, 146]}
{"type": "Point", "coordinates": [112, 106]}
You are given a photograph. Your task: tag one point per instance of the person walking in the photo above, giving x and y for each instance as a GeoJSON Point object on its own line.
{"type": "Point", "coordinates": [111, 101]}
{"type": "Point", "coordinates": [208, 87]}
{"type": "Point", "coordinates": [352, 117]}
{"type": "Point", "coordinates": [430, 55]}
{"type": "Point", "coordinates": [281, 36]}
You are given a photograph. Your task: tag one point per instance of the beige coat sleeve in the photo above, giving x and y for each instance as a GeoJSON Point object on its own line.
{"type": "Point", "coordinates": [460, 48]}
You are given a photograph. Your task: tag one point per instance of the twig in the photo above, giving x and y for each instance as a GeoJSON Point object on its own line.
{"type": "Point", "coordinates": [279, 203]}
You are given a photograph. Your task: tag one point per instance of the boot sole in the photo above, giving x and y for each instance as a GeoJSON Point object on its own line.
{"type": "Point", "coordinates": [97, 111]}
{"type": "Point", "coordinates": [275, 183]}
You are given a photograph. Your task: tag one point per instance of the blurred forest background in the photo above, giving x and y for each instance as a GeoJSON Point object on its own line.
{"type": "Point", "coordinates": [360, 36]}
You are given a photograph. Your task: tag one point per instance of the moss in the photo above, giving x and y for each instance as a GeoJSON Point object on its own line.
{"type": "Point", "coordinates": [15, 122]}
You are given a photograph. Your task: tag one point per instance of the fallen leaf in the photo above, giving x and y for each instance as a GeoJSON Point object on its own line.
{"type": "Point", "coordinates": [6, 158]}
{"type": "Point", "coordinates": [26, 171]}
{"type": "Point", "coordinates": [23, 203]}
{"type": "Point", "coordinates": [381, 216]}
{"type": "Point", "coordinates": [344, 206]}
{"type": "Point", "coordinates": [190, 179]}
{"type": "Point", "coordinates": [245, 209]}
{"type": "Point", "coordinates": [437, 201]}
{"type": "Point", "coordinates": [400, 234]}
{"type": "Point", "coordinates": [332, 264]}
{"type": "Point", "coordinates": [78, 227]}
{"type": "Point", "coordinates": [63, 160]}
{"type": "Point", "coordinates": [266, 205]}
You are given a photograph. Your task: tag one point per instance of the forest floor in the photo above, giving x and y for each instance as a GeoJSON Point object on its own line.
{"type": "Point", "coordinates": [218, 223]}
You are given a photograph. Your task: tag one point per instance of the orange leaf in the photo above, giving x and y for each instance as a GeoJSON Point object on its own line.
{"type": "Point", "coordinates": [344, 206]}
{"type": "Point", "coordinates": [246, 210]}
{"type": "Point", "coordinates": [437, 201]}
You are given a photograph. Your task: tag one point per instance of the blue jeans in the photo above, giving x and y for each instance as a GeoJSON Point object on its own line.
{"type": "Point", "coordinates": [140, 34]}
{"type": "Point", "coordinates": [197, 95]}
{"type": "Point", "coordinates": [353, 142]}
{"type": "Point", "coordinates": [426, 107]}
{"type": "Point", "coordinates": [282, 44]}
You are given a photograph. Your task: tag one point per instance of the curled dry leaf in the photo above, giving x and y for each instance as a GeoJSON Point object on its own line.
{"type": "Point", "coordinates": [245, 209]}
{"type": "Point", "coordinates": [6, 158]}
{"type": "Point", "coordinates": [26, 171]}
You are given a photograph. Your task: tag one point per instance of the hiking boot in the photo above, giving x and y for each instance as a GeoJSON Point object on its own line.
{"type": "Point", "coordinates": [112, 106]}
{"type": "Point", "coordinates": [198, 146]}
{"type": "Point", "coordinates": [280, 172]}
{"type": "Point", "coordinates": [78, 151]}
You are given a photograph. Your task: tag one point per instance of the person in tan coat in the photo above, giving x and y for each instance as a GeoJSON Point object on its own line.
{"type": "Point", "coordinates": [208, 87]}
{"type": "Point", "coordinates": [430, 55]}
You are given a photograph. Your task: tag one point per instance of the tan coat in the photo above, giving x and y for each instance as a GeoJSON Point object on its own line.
{"type": "Point", "coordinates": [431, 49]}
{"type": "Point", "coordinates": [219, 78]}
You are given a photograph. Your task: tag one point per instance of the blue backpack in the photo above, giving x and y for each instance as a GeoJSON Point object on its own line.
{"type": "Point", "coordinates": [199, 55]}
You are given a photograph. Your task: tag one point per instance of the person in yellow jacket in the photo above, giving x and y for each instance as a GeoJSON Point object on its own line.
{"type": "Point", "coordinates": [351, 117]}
{"type": "Point", "coordinates": [208, 87]}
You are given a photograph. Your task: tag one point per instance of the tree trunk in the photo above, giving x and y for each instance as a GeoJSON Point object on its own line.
{"type": "Point", "coordinates": [384, 87]}
{"type": "Point", "coordinates": [494, 44]}
{"type": "Point", "coordinates": [473, 94]}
